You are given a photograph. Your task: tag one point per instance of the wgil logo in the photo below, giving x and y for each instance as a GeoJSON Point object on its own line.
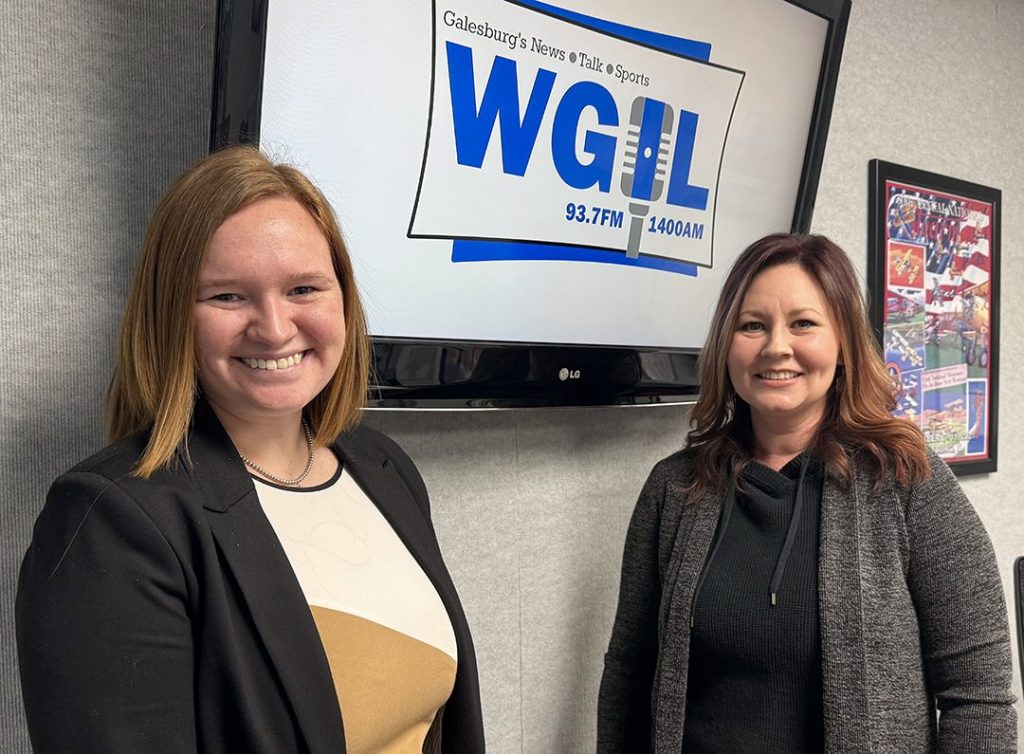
{"type": "Point", "coordinates": [547, 132]}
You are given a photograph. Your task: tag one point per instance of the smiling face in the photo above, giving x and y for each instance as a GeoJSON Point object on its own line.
{"type": "Point", "coordinates": [784, 351]}
{"type": "Point", "coordinates": [269, 318]}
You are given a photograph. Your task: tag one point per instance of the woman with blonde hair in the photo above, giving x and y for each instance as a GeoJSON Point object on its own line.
{"type": "Point", "coordinates": [245, 568]}
{"type": "Point", "coordinates": [805, 575]}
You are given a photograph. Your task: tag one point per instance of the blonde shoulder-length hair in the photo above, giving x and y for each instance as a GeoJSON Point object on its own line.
{"type": "Point", "coordinates": [154, 386]}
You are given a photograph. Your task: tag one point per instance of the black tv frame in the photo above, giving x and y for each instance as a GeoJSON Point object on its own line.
{"type": "Point", "coordinates": [432, 373]}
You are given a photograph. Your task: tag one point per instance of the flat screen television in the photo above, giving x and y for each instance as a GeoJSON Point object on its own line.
{"type": "Point", "coordinates": [541, 199]}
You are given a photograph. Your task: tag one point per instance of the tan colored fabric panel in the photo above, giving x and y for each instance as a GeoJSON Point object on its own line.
{"type": "Point", "coordinates": [389, 685]}
{"type": "Point", "coordinates": [347, 558]}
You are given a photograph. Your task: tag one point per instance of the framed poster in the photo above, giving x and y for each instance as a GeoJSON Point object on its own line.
{"type": "Point", "coordinates": [933, 279]}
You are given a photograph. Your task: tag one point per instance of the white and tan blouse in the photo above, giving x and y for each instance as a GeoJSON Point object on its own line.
{"type": "Point", "coordinates": [388, 638]}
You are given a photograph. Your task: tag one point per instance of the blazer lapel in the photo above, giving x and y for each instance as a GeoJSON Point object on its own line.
{"type": "Point", "coordinates": [378, 478]}
{"type": "Point", "coordinates": [275, 600]}
{"type": "Point", "coordinates": [840, 614]}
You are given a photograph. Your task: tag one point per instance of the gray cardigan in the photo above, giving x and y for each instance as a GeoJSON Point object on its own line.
{"type": "Point", "coordinates": [911, 608]}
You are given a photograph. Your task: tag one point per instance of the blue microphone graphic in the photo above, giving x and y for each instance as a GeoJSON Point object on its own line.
{"type": "Point", "coordinates": [643, 170]}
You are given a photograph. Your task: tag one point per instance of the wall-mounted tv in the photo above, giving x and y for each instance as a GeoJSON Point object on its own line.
{"type": "Point", "coordinates": [541, 199]}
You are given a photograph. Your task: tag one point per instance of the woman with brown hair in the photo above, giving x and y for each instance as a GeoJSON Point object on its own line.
{"type": "Point", "coordinates": [245, 568]}
{"type": "Point", "coordinates": [805, 575]}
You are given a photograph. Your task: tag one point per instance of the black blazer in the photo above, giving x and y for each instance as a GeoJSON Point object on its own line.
{"type": "Point", "coordinates": [162, 615]}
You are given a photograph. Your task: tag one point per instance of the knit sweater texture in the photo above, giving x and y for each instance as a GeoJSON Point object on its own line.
{"type": "Point", "coordinates": [911, 608]}
{"type": "Point", "coordinates": [755, 666]}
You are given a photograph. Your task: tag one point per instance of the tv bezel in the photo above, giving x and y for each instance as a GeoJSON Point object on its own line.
{"type": "Point", "coordinates": [506, 374]}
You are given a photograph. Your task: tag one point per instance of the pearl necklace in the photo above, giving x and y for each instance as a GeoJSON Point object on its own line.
{"type": "Point", "coordinates": [288, 482]}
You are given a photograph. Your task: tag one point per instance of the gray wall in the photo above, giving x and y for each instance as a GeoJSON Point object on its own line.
{"type": "Point", "coordinates": [103, 103]}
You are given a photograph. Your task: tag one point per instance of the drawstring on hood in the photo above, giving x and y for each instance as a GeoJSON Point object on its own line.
{"type": "Point", "coordinates": [794, 521]}
{"type": "Point", "coordinates": [787, 545]}
{"type": "Point", "coordinates": [730, 502]}
{"type": "Point", "coordinates": [758, 634]}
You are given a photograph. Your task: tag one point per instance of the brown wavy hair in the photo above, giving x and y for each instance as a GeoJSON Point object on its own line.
{"type": "Point", "coordinates": [155, 384]}
{"type": "Point", "coordinates": [860, 399]}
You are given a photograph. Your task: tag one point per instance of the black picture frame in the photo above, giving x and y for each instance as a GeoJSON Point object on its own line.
{"type": "Point", "coordinates": [1018, 609]}
{"type": "Point", "coordinates": [934, 291]}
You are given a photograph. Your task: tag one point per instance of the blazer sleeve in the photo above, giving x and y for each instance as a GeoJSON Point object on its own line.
{"type": "Point", "coordinates": [954, 580]}
{"type": "Point", "coordinates": [624, 700]}
{"type": "Point", "coordinates": [105, 647]}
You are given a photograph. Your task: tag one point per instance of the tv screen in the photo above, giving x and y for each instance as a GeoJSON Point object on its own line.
{"type": "Point", "coordinates": [541, 200]}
